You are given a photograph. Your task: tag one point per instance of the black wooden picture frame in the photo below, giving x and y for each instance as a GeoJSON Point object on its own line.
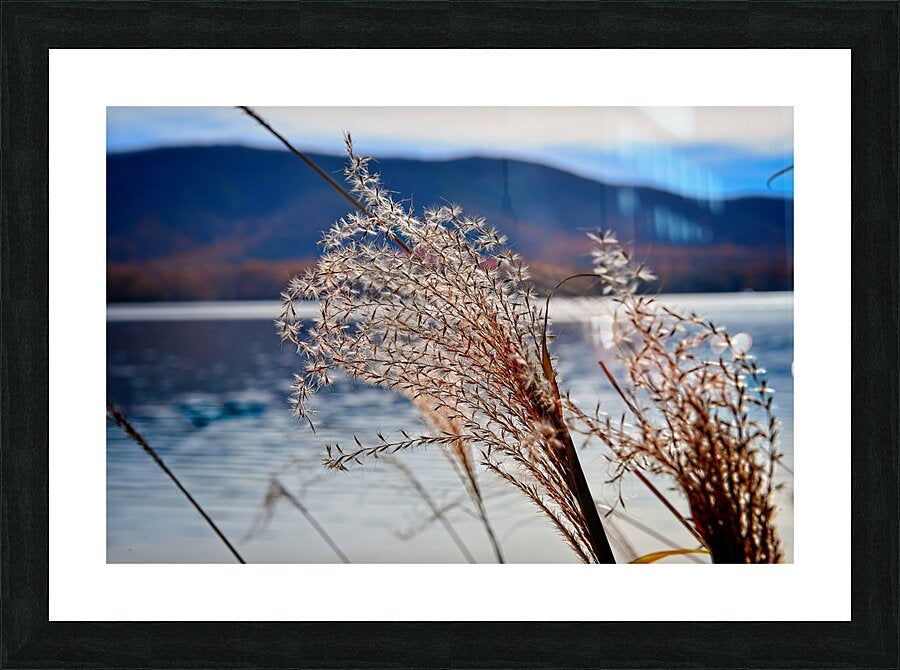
{"type": "Point", "coordinates": [31, 29]}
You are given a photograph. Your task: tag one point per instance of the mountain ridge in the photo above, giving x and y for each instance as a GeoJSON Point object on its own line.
{"type": "Point", "coordinates": [203, 215]}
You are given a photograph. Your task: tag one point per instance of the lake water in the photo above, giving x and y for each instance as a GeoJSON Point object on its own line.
{"type": "Point", "coordinates": [206, 384]}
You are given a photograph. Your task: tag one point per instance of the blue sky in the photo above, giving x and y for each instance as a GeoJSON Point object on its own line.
{"type": "Point", "coordinates": [706, 152]}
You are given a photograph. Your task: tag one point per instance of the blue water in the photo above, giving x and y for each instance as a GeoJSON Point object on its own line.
{"type": "Point", "coordinates": [206, 383]}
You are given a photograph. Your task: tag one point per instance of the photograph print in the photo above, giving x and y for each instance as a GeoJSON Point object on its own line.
{"type": "Point", "coordinates": [449, 335]}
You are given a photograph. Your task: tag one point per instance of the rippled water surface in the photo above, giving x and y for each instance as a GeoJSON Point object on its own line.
{"type": "Point", "coordinates": [206, 385]}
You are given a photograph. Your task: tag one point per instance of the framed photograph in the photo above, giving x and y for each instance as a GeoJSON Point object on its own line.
{"type": "Point", "coordinates": [410, 340]}
{"type": "Point", "coordinates": [690, 191]}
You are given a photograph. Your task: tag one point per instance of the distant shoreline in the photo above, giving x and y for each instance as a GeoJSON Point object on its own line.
{"type": "Point", "coordinates": [562, 309]}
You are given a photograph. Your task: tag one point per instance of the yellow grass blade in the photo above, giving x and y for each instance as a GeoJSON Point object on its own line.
{"type": "Point", "coordinates": [657, 555]}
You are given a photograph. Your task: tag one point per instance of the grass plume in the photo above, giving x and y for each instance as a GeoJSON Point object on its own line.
{"type": "Point", "coordinates": [449, 317]}
{"type": "Point", "coordinates": [701, 414]}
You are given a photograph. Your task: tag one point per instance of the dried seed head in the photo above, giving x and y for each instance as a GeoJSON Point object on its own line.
{"type": "Point", "coordinates": [434, 307]}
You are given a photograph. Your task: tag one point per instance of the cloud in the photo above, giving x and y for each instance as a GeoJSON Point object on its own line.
{"type": "Point", "coordinates": [762, 129]}
{"type": "Point", "coordinates": [706, 151]}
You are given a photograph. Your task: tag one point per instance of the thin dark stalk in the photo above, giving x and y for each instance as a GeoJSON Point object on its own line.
{"type": "Point", "coordinates": [433, 506]}
{"type": "Point", "coordinates": [684, 522]}
{"type": "Point", "coordinates": [467, 476]}
{"type": "Point", "coordinates": [482, 513]}
{"type": "Point", "coordinates": [319, 171]}
{"type": "Point", "coordinates": [640, 475]}
{"type": "Point", "coordinates": [299, 154]}
{"type": "Point", "coordinates": [597, 535]}
{"type": "Point", "coordinates": [598, 539]}
{"type": "Point", "coordinates": [618, 389]}
{"type": "Point", "coordinates": [293, 500]}
{"type": "Point", "coordinates": [778, 174]}
{"type": "Point", "coordinates": [122, 422]}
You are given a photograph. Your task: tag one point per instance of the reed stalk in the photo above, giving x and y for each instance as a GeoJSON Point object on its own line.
{"type": "Point", "coordinates": [119, 418]}
{"type": "Point", "coordinates": [436, 511]}
{"type": "Point", "coordinates": [704, 421]}
{"type": "Point", "coordinates": [278, 491]}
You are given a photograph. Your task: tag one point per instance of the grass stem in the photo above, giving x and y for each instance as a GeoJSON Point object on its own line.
{"type": "Point", "coordinates": [319, 171]}
{"type": "Point", "coordinates": [118, 416]}
{"type": "Point", "coordinates": [300, 507]}
{"type": "Point", "coordinates": [433, 506]}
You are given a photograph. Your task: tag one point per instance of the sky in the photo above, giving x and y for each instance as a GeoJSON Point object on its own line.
{"type": "Point", "coordinates": [704, 152]}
